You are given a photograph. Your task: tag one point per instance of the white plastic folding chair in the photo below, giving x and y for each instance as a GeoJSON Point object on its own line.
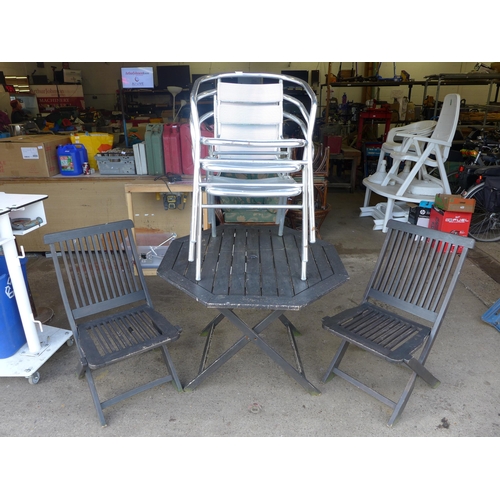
{"type": "Point", "coordinates": [427, 151]}
{"type": "Point", "coordinates": [422, 152]}
{"type": "Point", "coordinates": [248, 155]}
{"type": "Point", "coordinates": [395, 142]}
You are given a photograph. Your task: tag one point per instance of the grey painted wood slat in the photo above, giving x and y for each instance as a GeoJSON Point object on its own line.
{"type": "Point", "coordinates": [323, 264]}
{"type": "Point", "coordinates": [284, 280]}
{"type": "Point", "coordinates": [269, 283]}
{"type": "Point", "coordinates": [222, 276]}
{"type": "Point", "coordinates": [253, 264]}
{"type": "Point", "coordinates": [209, 263]}
{"type": "Point", "coordinates": [238, 274]}
{"type": "Point", "coordinates": [293, 253]}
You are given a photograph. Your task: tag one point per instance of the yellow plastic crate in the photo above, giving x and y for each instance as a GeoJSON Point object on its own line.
{"type": "Point", "coordinates": [94, 142]}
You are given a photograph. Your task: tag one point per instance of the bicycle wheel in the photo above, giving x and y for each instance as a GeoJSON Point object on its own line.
{"type": "Point", "coordinates": [454, 182]}
{"type": "Point", "coordinates": [484, 226]}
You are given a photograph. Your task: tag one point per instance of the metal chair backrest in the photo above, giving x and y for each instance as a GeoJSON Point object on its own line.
{"type": "Point", "coordinates": [252, 109]}
{"type": "Point", "coordinates": [417, 270]}
{"type": "Point", "coordinates": [95, 268]}
{"type": "Point", "coordinates": [249, 111]}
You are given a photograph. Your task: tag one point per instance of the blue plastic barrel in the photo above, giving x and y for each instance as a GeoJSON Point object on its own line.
{"type": "Point", "coordinates": [12, 336]}
{"type": "Point", "coordinates": [4, 270]}
{"type": "Point", "coordinates": [70, 158]}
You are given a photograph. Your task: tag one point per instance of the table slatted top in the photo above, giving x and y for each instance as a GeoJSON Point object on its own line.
{"type": "Point", "coordinates": [253, 267]}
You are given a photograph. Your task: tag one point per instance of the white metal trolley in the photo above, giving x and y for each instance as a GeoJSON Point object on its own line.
{"type": "Point", "coordinates": [42, 341]}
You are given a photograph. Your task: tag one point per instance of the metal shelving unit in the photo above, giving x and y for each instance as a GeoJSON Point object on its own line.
{"type": "Point", "coordinates": [486, 79]}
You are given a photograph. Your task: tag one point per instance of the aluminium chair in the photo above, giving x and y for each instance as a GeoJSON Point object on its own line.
{"type": "Point", "coordinates": [249, 157]}
{"type": "Point", "coordinates": [108, 305]}
{"type": "Point", "coordinates": [321, 169]}
{"type": "Point", "coordinates": [403, 306]}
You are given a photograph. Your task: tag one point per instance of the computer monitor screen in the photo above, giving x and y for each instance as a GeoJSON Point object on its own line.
{"type": "Point", "coordinates": [205, 86]}
{"type": "Point", "coordinates": [138, 78]}
{"type": "Point", "coordinates": [302, 74]}
{"type": "Point", "coordinates": [195, 76]}
{"type": "Point", "coordinates": [40, 79]}
{"type": "Point", "coordinates": [176, 76]}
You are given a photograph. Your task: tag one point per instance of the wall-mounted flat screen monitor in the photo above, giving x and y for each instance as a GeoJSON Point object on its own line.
{"type": "Point", "coordinates": [302, 74]}
{"type": "Point", "coordinates": [138, 78]}
{"type": "Point", "coordinates": [40, 79]}
{"type": "Point", "coordinates": [175, 76]}
{"type": "Point", "coordinates": [207, 85]}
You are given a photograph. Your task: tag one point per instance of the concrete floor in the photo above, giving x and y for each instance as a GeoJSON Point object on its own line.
{"type": "Point", "coordinates": [464, 358]}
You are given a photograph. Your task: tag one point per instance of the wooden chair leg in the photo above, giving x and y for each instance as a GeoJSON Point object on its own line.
{"type": "Point", "coordinates": [336, 361]}
{"type": "Point", "coordinates": [400, 405]}
{"type": "Point", "coordinates": [420, 371]}
{"type": "Point", "coordinates": [423, 372]}
{"type": "Point", "coordinates": [171, 368]}
{"type": "Point", "coordinates": [80, 369]}
{"type": "Point", "coordinates": [95, 397]}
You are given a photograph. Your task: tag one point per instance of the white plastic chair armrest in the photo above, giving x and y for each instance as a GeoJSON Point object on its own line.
{"type": "Point", "coordinates": [421, 138]}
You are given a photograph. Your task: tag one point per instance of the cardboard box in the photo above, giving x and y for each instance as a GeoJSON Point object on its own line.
{"type": "Point", "coordinates": [334, 142]}
{"type": "Point", "coordinates": [450, 222]}
{"type": "Point", "coordinates": [30, 155]}
{"type": "Point", "coordinates": [454, 203]}
{"type": "Point", "coordinates": [419, 215]}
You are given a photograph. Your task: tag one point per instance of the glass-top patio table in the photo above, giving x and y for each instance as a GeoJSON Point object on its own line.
{"type": "Point", "coordinates": [251, 267]}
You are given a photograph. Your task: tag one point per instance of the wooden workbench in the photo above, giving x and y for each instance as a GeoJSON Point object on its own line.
{"type": "Point", "coordinates": [85, 200]}
{"type": "Point", "coordinates": [354, 156]}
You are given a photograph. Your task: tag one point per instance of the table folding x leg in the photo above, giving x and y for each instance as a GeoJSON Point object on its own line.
{"type": "Point", "coordinates": [252, 335]}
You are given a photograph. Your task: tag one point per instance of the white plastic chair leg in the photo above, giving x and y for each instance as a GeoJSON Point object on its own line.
{"type": "Point", "coordinates": [368, 193]}
{"type": "Point", "coordinates": [381, 158]}
{"type": "Point", "coordinates": [388, 213]}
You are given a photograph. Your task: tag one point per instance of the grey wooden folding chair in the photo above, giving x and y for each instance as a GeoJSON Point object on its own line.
{"type": "Point", "coordinates": [403, 306]}
{"type": "Point", "coordinates": [107, 303]}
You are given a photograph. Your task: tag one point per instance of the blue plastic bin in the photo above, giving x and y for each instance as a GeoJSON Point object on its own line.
{"type": "Point", "coordinates": [12, 336]}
